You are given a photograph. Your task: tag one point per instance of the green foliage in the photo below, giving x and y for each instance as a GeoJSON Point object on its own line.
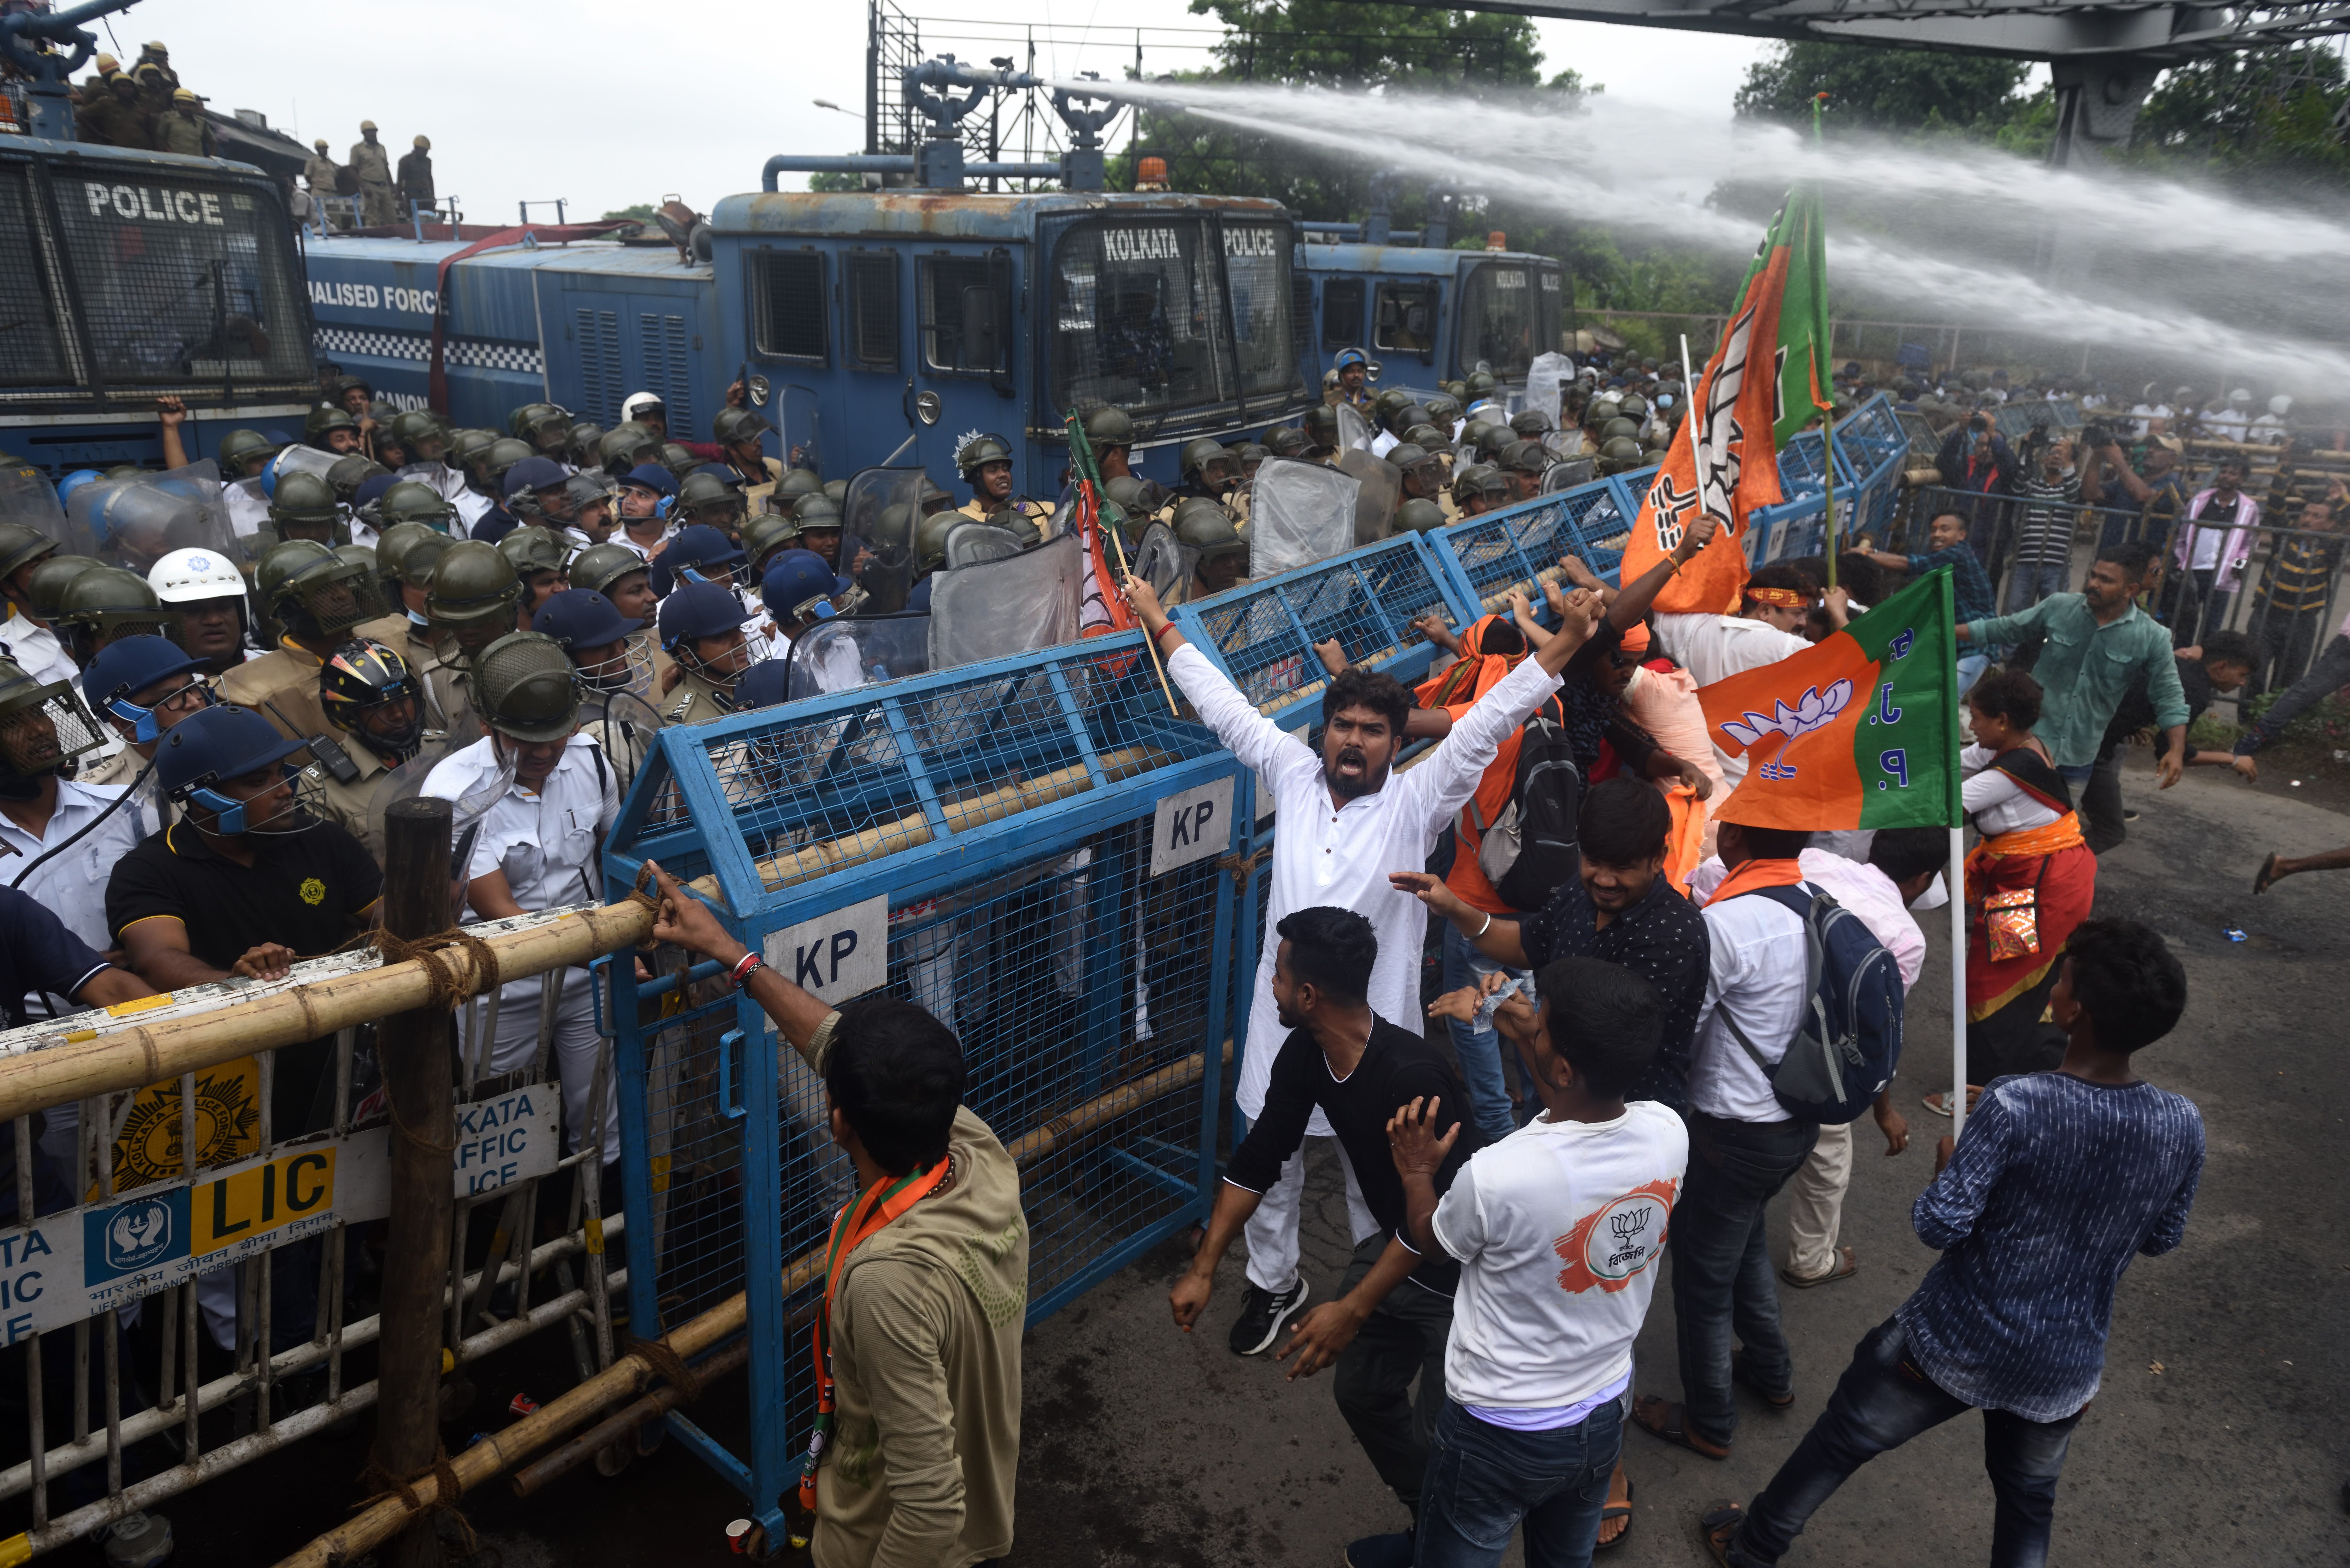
{"type": "Point", "coordinates": [835, 182]}
{"type": "Point", "coordinates": [1899, 91]}
{"type": "Point", "coordinates": [2271, 114]}
{"type": "Point", "coordinates": [641, 212]}
{"type": "Point", "coordinates": [1346, 44]}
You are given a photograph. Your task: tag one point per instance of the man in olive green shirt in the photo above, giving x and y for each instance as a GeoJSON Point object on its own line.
{"type": "Point", "coordinates": [2097, 642]}
{"type": "Point", "coordinates": [926, 1321]}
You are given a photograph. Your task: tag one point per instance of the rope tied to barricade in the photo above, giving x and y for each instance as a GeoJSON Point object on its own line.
{"type": "Point", "coordinates": [642, 892]}
{"type": "Point", "coordinates": [448, 1488]}
{"type": "Point", "coordinates": [668, 1363]}
{"type": "Point", "coordinates": [1242, 867]}
{"type": "Point", "coordinates": [431, 952]}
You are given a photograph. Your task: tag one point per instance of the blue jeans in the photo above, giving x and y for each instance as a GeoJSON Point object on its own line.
{"type": "Point", "coordinates": [1479, 1049]}
{"type": "Point", "coordinates": [1881, 1402]}
{"type": "Point", "coordinates": [1970, 669]}
{"type": "Point", "coordinates": [1722, 1280]}
{"type": "Point", "coordinates": [2327, 676]}
{"type": "Point", "coordinates": [1483, 1481]}
{"type": "Point", "coordinates": [2028, 585]}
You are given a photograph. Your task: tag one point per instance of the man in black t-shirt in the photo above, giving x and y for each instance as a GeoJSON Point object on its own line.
{"type": "Point", "coordinates": [244, 884]}
{"type": "Point", "coordinates": [1395, 1310]}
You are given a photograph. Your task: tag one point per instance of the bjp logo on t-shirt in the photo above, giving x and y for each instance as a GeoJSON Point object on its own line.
{"type": "Point", "coordinates": [1615, 1242]}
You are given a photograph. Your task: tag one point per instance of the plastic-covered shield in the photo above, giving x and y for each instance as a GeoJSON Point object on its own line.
{"type": "Point", "coordinates": [877, 519]}
{"type": "Point", "coordinates": [857, 650]}
{"type": "Point", "coordinates": [1544, 376]}
{"type": "Point", "coordinates": [1380, 489]}
{"type": "Point", "coordinates": [1161, 560]}
{"type": "Point", "coordinates": [1304, 513]}
{"type": "Point", "coordinates": [406, 781]}
{"type": "Point", "coordinates": [1568, 472]}
{"type": "Point", "coordinates": [968, 543]}
{"type": "Point", "coordinates": [143, 517]}
{"type": "Point", "coordinates": [298, 459]}
{"type": "Point", "coordinates": [997, 607]}
{"type": "Point", "coordinates": [1355, 432]}
{"type": "Point", "coordinates": [624, 724]}
{"type": "Point", "coordinates": [26, 496]}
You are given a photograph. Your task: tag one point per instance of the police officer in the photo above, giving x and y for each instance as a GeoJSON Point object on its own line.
{"type": "Point", "coordinates": [648, 495]}
{"type": "Point", "coordinates": [302, 505]}
{"type": "Point", "coordinates": [600, 641]}
{"type": "Point", "coordinates": [545, 797]}
{"type": "Point", "coordinates": [316, 597]}
{"type": "Point", "coordinates": [1109, 432]}
{"type": "Point", "coordinates": [109, 111]}
{"type": "Point", "coordinates": [1321, 435]}
{"type": "Point", "coordinates": [701, 629]}
{"type": "Point", "coordinates": [207, 591]}
{"type": "Point", "coordinates": [404, 558]}
{"type": "Point", "coordinates": [1209, 472]}
{"type": "Point", "coordinates": [330, 428]}
{"type": "Point", "coordinates": [742, 437]}
{"type": "Point", "coordinates": [182, 127]}
{"type": "Point", "coordinates": [42, 727]}
{"type": "Point", "coordinates": [375, 705]}
{"type": "Point", "coordinates": [26, 634]}
{"type": "Point", "coordinates": [1422, 472]}
{"type": "Point", "coordinates": [471, 601]}
{"type": "Point", "coordinates": [1286, 441]}
{"type": "Point", "coordinates": [1480, 488]}
{"type": "Point", "coordinates": [1220, 555]}
{"type": "Point", "coordinates": [1418, 516]}
{"type": "Point", "coordinates": [769, 534]}
{"type": "Point", "coordinates": [626, 446]}
{"type": "Point", "coordinates": [620, 574]}
{"type": "Point", "coordinates": [321, 173]}
{"type": "Point", "coordinates": [372, 160]}
{"type": "Point", "coordinates": [1523, 465]}
{"type": "Point", "coordinates": [540, 557]}
{"type": "Point", "coordinates": [102, 603]}
{"type": "Point", "coordinates": [141, 687]}
{"type": "Point", "coordinates": [819, 517]}
{"type": "Point", "coordinates": [415, 180]}
{"type": "Point", "coordinates": [538, 491]}
{"type": "Point", "coordinates": [708, 498]}
{"type": "Point", "coordinates": [985, 463]}
{"type": "Point", "coordinates": [1353, 369]}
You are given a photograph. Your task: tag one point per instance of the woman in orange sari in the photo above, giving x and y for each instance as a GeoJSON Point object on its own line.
{"type": "Point", "coordinates": [2030, 881]}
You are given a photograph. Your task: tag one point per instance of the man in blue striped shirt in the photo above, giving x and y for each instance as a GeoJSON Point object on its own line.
{"type": "Point", "coordinates": [2061, 1179]}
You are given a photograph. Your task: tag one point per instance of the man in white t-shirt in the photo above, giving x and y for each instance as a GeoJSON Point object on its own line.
{"type": "Point", "coordinates": [1540, 1355]}
{"type": "Point", "coordinates": [1769, 627]}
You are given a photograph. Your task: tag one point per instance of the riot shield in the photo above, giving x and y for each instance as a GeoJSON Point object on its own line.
{"type": "Point", "coordinates": [856, 651]}
{"type": "Point", "coordinates": [26, 496]}
{"type": "Point", "coordinates": [1304, 513]}
{"type": "Point", "coordinates": [143, 517]}
{"type": "Point", "coordinates": [1381, 487]}
{"type": "Point", "coordinates": [996, 608]}
{"type": "Point", "coordinates": [1162, 561]}
{"type": "Point", "coordinates": [624, 725]}
{"type": "Point", "coordinates": [1568, 472]}
{"type": "Point", "coordinates": [1355, 432]}
{"type": "Point", "coordinates": [877, 518]}
{"type": "Point", "coordinates": [405, 781]}
{"type": "Point", "coordinates": [300, 459]}
{"type": "Point", "coordinates": [1567, 443]}
{"type": "Point", "coordinates": [968, 543]}
{"type": "Point", "coordinates": [1544, 376]}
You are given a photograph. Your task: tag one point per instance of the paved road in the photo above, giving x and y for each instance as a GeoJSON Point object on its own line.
{"type": "Point", "coordinates": [1144, 1447]}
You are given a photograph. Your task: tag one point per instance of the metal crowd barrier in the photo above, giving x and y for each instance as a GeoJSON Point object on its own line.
{"type": "Point", "coordinates": [137, 1260]}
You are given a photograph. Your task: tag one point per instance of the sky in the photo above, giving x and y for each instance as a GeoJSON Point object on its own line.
{"type": "Point", "coordinates": [607, 104]}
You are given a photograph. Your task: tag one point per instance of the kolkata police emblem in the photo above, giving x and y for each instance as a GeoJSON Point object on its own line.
{"type": "Point", "coordinates": [228, 1125]}
{"type": "Point", "coordinates": [313, 890]}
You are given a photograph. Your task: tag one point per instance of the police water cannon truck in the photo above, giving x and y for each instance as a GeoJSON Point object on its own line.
{"type": "Point", "coordinates": [871, 327]}
{"type": "Point", "coordinates": [137, 274]}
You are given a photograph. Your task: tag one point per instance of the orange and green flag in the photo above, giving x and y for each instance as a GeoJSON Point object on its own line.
{"type": "Point", "coordinates": [1860, 730]}
{"type": "Point", "coordinates": [1767, 380]}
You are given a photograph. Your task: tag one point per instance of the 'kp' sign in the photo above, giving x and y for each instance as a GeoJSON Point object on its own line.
{"type": "Point", "coordinates": [834, 956]}
{"type": "Point", "coordinates": [1191, 826]}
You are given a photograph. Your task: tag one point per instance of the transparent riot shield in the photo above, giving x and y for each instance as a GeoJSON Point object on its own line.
{"type": "Point", "coordinates": [1569, 472]}
{"type": "Point", "coordinates": [1355, 432]}
{"type": "Point", "coordinates": [1162, 561]}
{"type": "Point", "coordinates": [298, 459]}
{"type": "Point", "coordinates": [143, 517]}
{"type": "Point", "coordinates": [405, 781]}
{"type": "Point", "coordinates": [1545, 377]}
{"type": "Point", "coordinates": [968, 543]}
{"type": "Point", "coordinates": [877, 519]}
{"type": "Point", "coordinates": [1304, 513]}
{"type": "Point", "coordinates": [1380, 488]}
{"type": "Point", "coordinates": [997, 607]}
{"type": "Point", "coordinates": [624, 724]}
{"type": "Point", "coordinates": [857, 650]}
{"type": "Point", "coordinates": [26, 496]}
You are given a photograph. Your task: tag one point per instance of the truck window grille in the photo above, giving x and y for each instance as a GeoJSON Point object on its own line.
{"type": "Point", "coordinates": [599, 363]}
{"type": "Point", "coordinates": [873, 310]}
{"type": "Point", "coordinates": [35, 356]}
{"type": "Point", "coordinates": [787, 291]}
{"type": "Point", "coordinates": [946, 282]}
{"type": "Point", "coordinates": [669, 371]}
{"type": "Point", "coordinates": [1342, 312]}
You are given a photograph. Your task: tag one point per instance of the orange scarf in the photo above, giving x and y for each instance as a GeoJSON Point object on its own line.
{"type": "Point", "coordinates": [2048, 838]}
{"type": "Point", "coordinates": [1753, 874]}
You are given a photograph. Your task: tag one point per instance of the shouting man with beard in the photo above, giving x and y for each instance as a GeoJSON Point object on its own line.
{"type": "Point", "coordinates": [1347, 826]}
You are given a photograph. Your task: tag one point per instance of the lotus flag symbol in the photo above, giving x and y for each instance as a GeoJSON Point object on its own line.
{"type": "Point", "coordinates": [1815, 710]}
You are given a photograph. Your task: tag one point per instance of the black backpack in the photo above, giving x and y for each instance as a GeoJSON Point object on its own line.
{"type": "Point", "coordinates": [1849, 1041]}
{"type": "Point", "coordinates": [1531, 847]}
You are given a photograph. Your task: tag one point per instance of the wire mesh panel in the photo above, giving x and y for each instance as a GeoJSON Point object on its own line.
{"type": "Point", "coordinates": [1521, 546]}
{"type": "Point", "coordinates": [1263, 635]}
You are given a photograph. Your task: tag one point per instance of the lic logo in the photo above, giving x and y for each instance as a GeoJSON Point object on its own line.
{"type": "Point", "coordinates": [138, 1234]}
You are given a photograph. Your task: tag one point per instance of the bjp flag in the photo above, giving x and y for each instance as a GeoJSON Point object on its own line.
{"type": "Point", "coordinates": [1859, 731]}
{"type": "Point", "coordinates": [1767, 381]}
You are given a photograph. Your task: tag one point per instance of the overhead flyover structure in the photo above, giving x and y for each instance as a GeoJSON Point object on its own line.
{"type": "Point", "coordinates": [2103, 58]}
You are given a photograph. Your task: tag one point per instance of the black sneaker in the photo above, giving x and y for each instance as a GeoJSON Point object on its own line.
{"type": "Point", "coordinates": [1381, 1550]}
{"type": "Point", "coordinates": [1262, 1315]}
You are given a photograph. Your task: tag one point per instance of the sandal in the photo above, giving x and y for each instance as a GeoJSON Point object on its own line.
{"type": "Point", "coordinates": [1717, 1527]}
{"type": "Point", "coordinates": [1941, 1104]}
{"type": "Point", "coordinates": [1738, 1373]}
{"type": "Point", "coordinates": [1847, 1265]}
{"type": "Point", "coordinates": [1615, 1510]}
{"type": "Point", "coordinates": [1662, 1419]}
{"type": "Point", "coordinates": [2267, 879]}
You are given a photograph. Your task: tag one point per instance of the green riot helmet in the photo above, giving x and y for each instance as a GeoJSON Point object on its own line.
{"type": "Point", "coordinates": [1525, 457]}
{"type": "Point", "coordinates": [817, 510]}
{"type": "Point", "coordinates": [582, 449]}
{"type": "Point", "coordinates": [935, 496]}
{"type": "Point", "coordinates": [348, 474]}
{"type": "Point", "coordinates": [1286, 441]}
{"type": "Point", "coordinates": [707, 497]}
{"type": "Point", "coordinates": [1618, 453]}
{"type": "Point", "coordinates": [1204, 528]}
{"type": "Point", "coordinates": [106, 603]}
{"type": "Point", "coordinates": [626, 445]}
{"type": "Point", "coordinates": [795, 483]}
{"type": "Point", "coordinates": [738, 427]}
{"type": "Point", "coordinates": [243, 452]}
{"type": "Point", "coordinates": [412, 502]}
{"type": "Point", "coordinates": [326, 418]}
{"type": "Point", "coordinates": [527, 688]}
{"type": "Point", "coordinates": [1493, 442]}
{"type": "Point", "coordinates": [762, 536]}
{"type": "Point", "coordinates": [392, 547]}
{"type": "Point", "coordinates": [1530, 424]}
{"type": "Point", "coordinates": [1444, 409]}
{"type": "Point", "coordinates": [467, 447]}
{"type": "Point", "coordinates": [1388, 401]}
{"type": "Point", "coordinates": [305, 501]}
{"type": "Point", "coordinates": [474, 593]}
{"type": "Point", "coordinates": [1108, 427]}
{"type": "Point", "coordinates": [980, 451]}
{"type": "Point", "coordinates": [41, 725]}
{"type": "Point", "coordinates": [21, 544]}
{"type": "Point", "coordinates": [1478, 481]}
{"type": "Point", "coordinates": [1427, 437]}
{"type": "Point", "coordinates": [1473, 432]}
{"type": "Point", "coordinates": [1206, 466]}
{"type": "Point", "coordinates": [1600, 410]}
{"type": "Point", "coordinates": [1321, 424]}
{"type": "Point", "coordinates": [599, 566]}
{"type": "Point", "coordinates": [677, 460]}
{"type": "Point", "coordinates": [1021, 526]}
{"type": "Point", "coordinates": [47, 586]}
{"type": "Point", "coordinates": [1249, 453]}
{"type": "Point", "coordinates": [930, 539]}
{"type": "Point", "coordinates": [311, 591]}
{"type": "Point", "coordinates": [504, 453]}
{"type": "Point", "coordinates": [420, 434]}
{"type": "Point", "coordinates": [1418, 516]}
{"type": "Point", "coordinates": [1457, 392]}
{"type": "Point", "coordinates": [546, 426]}
{"type": "Point", "coordinates": [1481, 384]}
{"type": "Point", "coordinates": [1423, 467]}
{"type": "Point", "coordinates": [375, 600]}
{"type": "Point", "coordinates": [533, 548]}
{"type": "Point", "coordinates": [1633, 406]}
{"type": "Point", "coordinates": [1619, 426]}
{"type": "Point", "coordinates": [836, 492]}
{"type": "Point", "coordinates": [1128, 526]}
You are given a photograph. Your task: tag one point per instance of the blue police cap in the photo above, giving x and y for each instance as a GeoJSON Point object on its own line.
{"type": "Point", "coordinates": [220, 743]}
{"type": "Point", "coordinates": [698, 610]}
{"type": "Point", "coordinates": [582, 618]}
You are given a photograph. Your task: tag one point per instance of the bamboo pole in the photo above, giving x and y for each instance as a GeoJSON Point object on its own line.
{"type": "Point", "coordinates": [630, 1375]}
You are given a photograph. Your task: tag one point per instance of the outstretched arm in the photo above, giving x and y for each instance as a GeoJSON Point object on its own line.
{"type": "Point", "coordinates": [692, 925]}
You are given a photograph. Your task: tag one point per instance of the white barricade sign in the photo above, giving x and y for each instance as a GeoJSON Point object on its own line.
{"type": "Point", "coordinates": [1191, 826]}
{"type": "Point", "coordinates": [837, 955]}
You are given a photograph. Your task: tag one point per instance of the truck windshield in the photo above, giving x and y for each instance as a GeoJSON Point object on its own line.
{"type": "Point", "coordinates": [1138, 312]}
{"type": "Point", "coordinates": [1497, 320]}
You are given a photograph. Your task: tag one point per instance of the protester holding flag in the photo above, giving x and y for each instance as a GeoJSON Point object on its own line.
{"type": "Point", "coordinates": [1775, 603]}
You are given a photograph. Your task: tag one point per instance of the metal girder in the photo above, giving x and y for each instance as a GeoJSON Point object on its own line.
{"type": "Point", "coordinates": [2161, 35]}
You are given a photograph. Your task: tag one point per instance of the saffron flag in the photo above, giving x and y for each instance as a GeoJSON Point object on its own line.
{"type": "Point", "coordinates": [1767, 380]}
{"type": "Point", "coordinates": [1859, 731]}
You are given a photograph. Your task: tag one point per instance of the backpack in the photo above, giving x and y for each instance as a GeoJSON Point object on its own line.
{"type": "Point", "coordinates": [1529, 847]}
{"type": "Point", "coordinates": [1849, 1041]}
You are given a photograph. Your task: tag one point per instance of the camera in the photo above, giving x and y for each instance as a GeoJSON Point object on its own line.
{"type": "Point", "coordinates": [2097, 435]}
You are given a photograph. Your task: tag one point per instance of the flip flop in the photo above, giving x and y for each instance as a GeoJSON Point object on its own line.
{"type": "Point", "coordinates": [1662, 1419]}
{"type": "Point", "coordinates": [1847, 1265]}
{"type": "Point", "coordinates": [1941, 1104]}
{"type": "Point", "coordinates": [1615, 1510]}
{"type": "Point", "coordinates": [2267, 879]}
{"type": "Point", "coordinates": [1718, 1526]}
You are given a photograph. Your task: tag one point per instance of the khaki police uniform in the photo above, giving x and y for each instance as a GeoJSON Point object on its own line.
{"type": "Point", "coordinates": [282, 686]}
{"type": "Point", "coordinates": [696, 701]}
{"type": "Point", "coordinates": [349, 805]}
{"type": "Point", "coordinates": [372, 162]}
{"type": "Point", "coordinates": [1037, 511]}
{"type": "Point", "coordinates": [320, 173]}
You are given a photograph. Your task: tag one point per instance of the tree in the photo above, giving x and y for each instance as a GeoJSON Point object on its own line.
{"type": "Point", "coordinates": [641, 212]}
{"type": "Point", "coordinates": [2275, 114]}
{"type": "Point", "coordinates": [1344, 44]}
{"type": "Point", "coordinates": [1899, 91]}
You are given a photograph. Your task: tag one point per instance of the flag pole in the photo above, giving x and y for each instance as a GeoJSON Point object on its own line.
{"type": "Point", "coordinates": [1954, 812]}
{"type": "Point", "coordinates": [1827, 438]}
{"type": "Point", "coordinates": [1688, 396]}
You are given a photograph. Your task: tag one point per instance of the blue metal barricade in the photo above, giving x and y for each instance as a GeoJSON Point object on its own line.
{"type": "Point", "coordinates": [994, 843]}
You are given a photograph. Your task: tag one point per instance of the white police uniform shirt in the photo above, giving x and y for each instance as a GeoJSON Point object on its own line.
{"type": "Point", "coordinates": [247, 507]}
{"type": "Point", "coordinates": [37, 649]}
{"type": "Point", "coordinates": [72, 886]}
